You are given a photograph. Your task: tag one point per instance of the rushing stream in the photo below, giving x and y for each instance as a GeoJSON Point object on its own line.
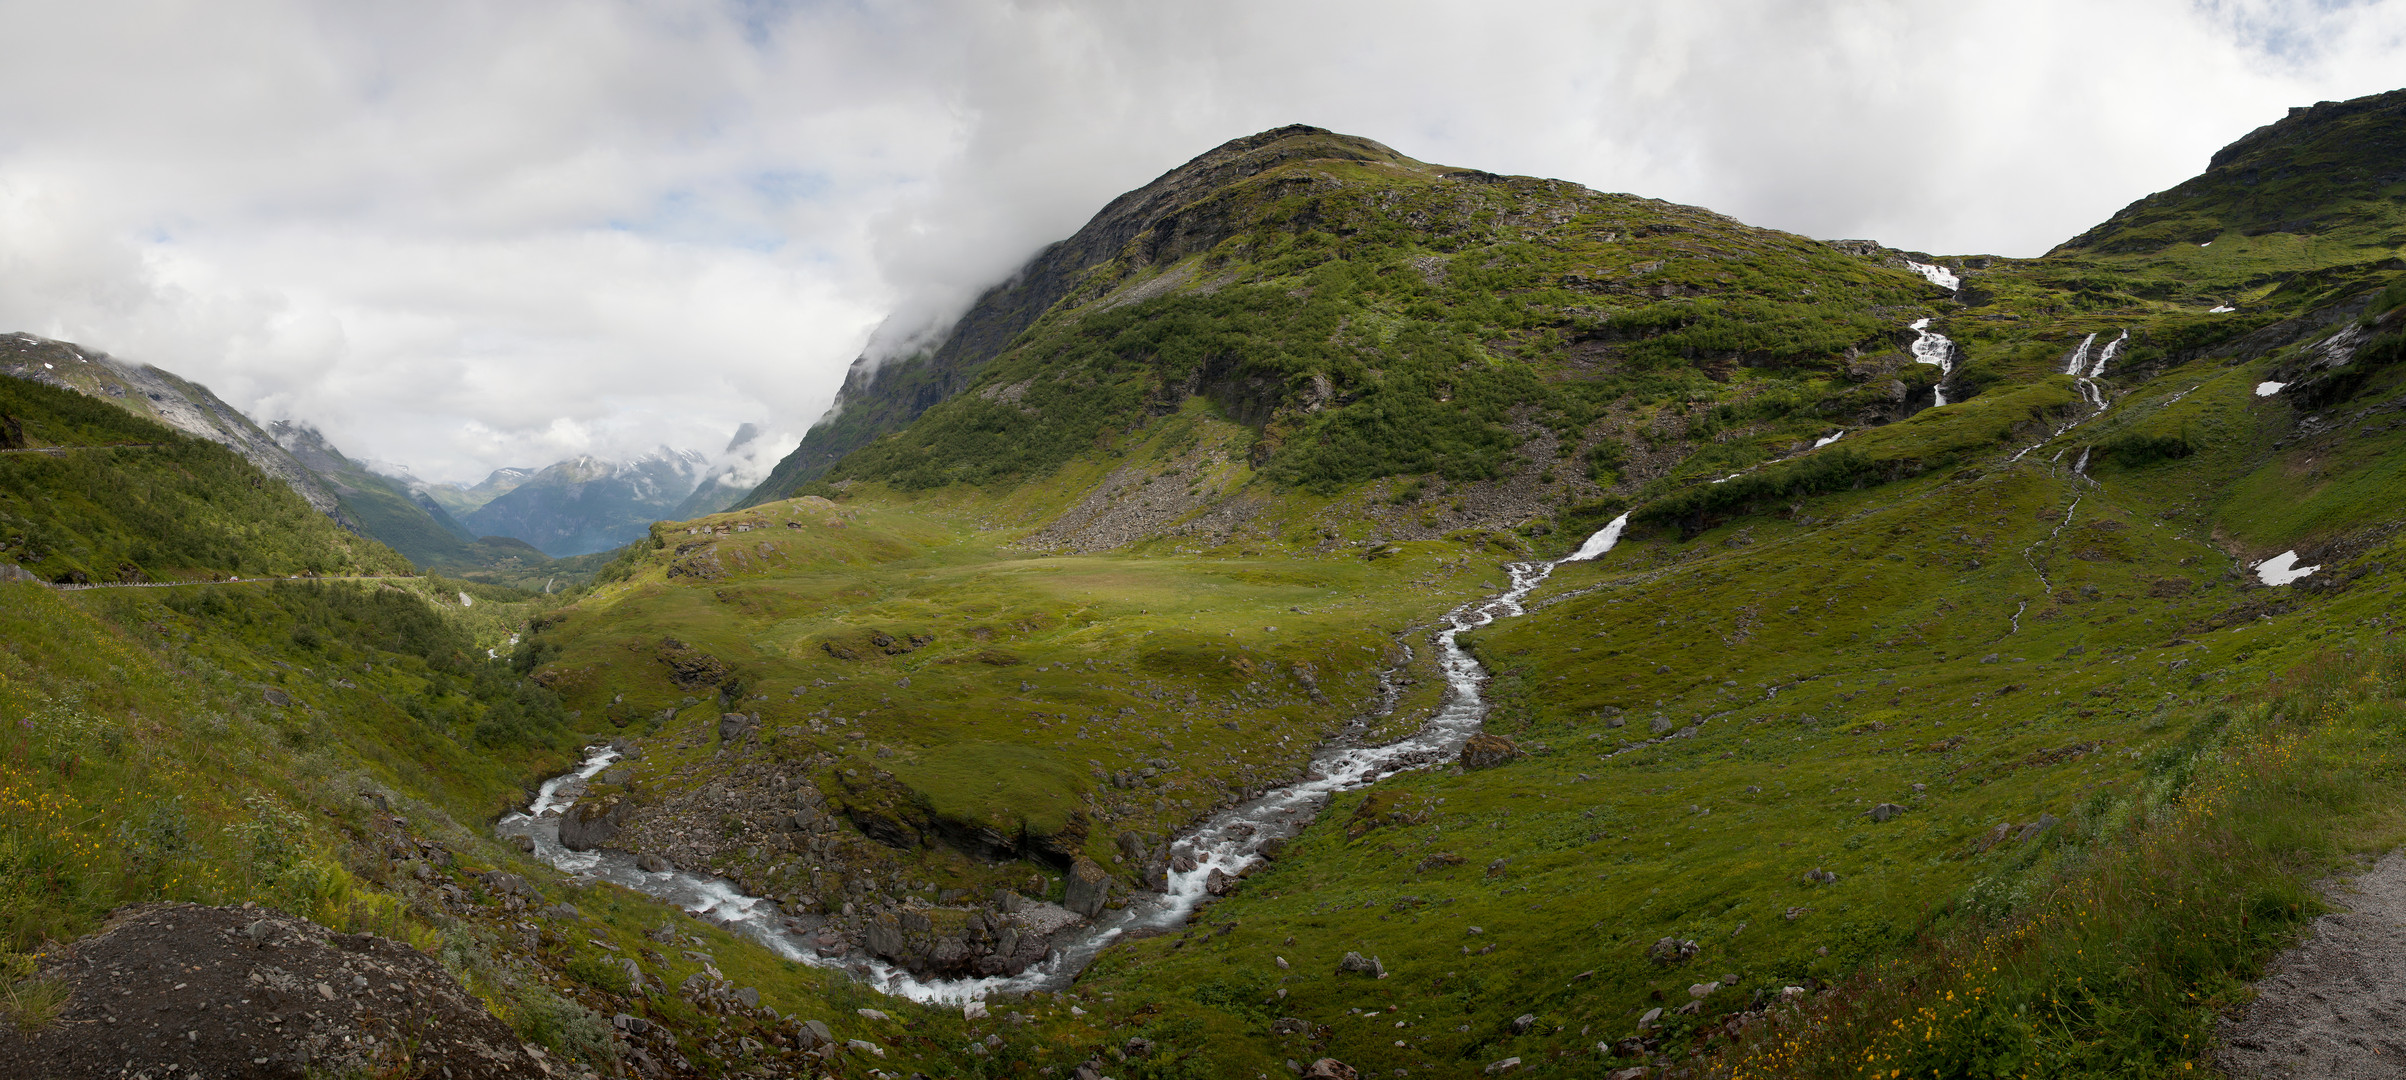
{"type": "Point", "coordinates": [1228, 842]}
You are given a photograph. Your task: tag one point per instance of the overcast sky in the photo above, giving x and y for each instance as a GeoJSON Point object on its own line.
{"type": "Point", "coordinates": [464, 235]}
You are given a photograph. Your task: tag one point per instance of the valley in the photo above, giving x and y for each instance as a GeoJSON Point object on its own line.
{"type": "Point", "coordinates": [1336, 615]}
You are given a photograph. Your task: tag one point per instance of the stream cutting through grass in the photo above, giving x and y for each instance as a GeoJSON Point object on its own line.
{"type": "Point", "coordinates": [1227, 843]}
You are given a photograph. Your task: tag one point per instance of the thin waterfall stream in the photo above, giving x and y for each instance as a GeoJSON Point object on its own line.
{"type": "Point", "coordinates": [1227, 842]}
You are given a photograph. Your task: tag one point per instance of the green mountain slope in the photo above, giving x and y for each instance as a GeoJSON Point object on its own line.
{"type": "Point", "coordinates": [1983, 738]}
{"type": "Point", "coordinates": [1196, 511]}
{"type": "Point", "coordinates": [163, 396]}
{"type": "Point", "coordinates": [91, 492]}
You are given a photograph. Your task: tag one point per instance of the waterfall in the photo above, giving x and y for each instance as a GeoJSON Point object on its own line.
{"type": "Point", "coordinates": [1933, 348]}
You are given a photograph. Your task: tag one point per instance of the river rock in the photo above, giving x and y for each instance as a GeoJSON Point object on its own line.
{"type": "Point", "coordinates": [1218, 883]}
{"type": "Point", "coordinates": [652, 864]}
{"type": "Point", "coordinates": [1086, 888]}
{"type": "Point", "coordinates": [1484, 750]}
{"type": "Point", "coordinates": [592, 823]}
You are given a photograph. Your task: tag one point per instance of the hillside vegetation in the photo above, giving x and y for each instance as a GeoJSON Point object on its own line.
{"type": "Point", "coordinates": [1964, 740]}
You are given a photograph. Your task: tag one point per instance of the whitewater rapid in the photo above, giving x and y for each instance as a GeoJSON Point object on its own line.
{"type": "Point", "coordinates": [1229, 841]}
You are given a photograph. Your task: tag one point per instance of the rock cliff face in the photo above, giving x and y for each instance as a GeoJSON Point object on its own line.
{"type": "Point", "coordinates": [1154, 225]}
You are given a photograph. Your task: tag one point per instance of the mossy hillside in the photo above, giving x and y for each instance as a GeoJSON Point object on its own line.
{"type": "Point", "coordinates": [2322, 180]}
{"type": "Point", "coordinates": [1831, 655]}
{"type": "Point", "coordinates": [1831, 712]}
{"type": "Point", "coordinates": [1375, 323]}
{"type": "Point", "coordinates": [2127, 961]}
{"type": "Point", "coordinates": [125, 499]}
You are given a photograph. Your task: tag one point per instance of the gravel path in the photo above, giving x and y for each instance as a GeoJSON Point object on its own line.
{"type": "Point", "coordinates": [2335, 1006]}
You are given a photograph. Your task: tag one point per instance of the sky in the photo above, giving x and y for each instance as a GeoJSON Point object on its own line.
{"type": "Point", "coordinates": [462, 235]}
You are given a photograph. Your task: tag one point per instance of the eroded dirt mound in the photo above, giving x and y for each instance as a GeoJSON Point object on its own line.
{"type": "Point", "coordinates": [198, 992]}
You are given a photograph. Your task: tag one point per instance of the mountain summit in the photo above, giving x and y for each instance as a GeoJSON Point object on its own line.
{"type": "Point", "coordinates": [1175, 216]}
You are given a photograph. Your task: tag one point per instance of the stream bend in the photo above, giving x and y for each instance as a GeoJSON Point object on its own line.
{"type": "Point", "coordinates": [1228, 841]}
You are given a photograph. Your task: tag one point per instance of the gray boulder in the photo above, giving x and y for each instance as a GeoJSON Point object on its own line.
{"type": "Point", "coordinates": [592, 823]}
{"type": "Point", "coordinates": [1087, 887]}
{"type": "Point", "coordinates": [1357, 964]}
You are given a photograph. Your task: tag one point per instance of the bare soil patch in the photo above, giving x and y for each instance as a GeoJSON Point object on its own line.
{"type": "Point", "coordinates": [196, 992]}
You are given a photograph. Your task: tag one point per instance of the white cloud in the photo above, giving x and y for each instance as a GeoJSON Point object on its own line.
{"type": "Point", "coordinates": [462, 235]}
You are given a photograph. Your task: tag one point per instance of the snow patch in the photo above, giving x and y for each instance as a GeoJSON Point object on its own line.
{"type": "Point", "coordinates": [2282, 569]}
{"type": "Point", "coordinates": [1827, 439]}
{"type": "Point", "coordinates": [2220, 309]}
{"type": "Point", "coordinates": [466, 600]}
{"type": "Point", "coordinates": [2267, 389]}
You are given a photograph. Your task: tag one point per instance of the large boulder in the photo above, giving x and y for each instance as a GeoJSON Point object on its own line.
{"type": "Point", "coordinates": [593, 822]}
{"type": "Point", "coordinates": [1484, 750]}
{"type": "Point", "coordinates": [1087, 887]}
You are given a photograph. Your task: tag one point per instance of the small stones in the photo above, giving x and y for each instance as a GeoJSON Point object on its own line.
{"type": "Point", "coordinates": [1884, 812]}
{"type": "Point", "coordinates": [975, 1010]}
{"type": "Point", "coordinates": [1507, 1065]}
{"type": "Point", "coordinates": [2044, 823]}
{"type": "Point", "coordinates": [1670, 950]}
{"type": "Point", "coordinates": [1701, 991]}
{"type": "Point", "coordinates": [1521, 1024]}
{"type": "Point", "coordinates": [1819, 876]}
{"type": "Point", "coordinates": [1330, 1069]}
{"type": "Point", "coordinates": [1137, 1046]}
